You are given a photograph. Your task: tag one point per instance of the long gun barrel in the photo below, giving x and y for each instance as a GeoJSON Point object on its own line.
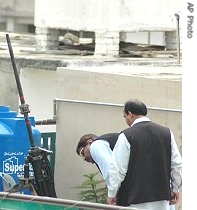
{"type": "Point", "coordinates": [44, 180]}
{"type": "Point", "coordinates": [24, 108]}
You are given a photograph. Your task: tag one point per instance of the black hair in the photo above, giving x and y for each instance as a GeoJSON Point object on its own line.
{"type": "Point", "coordinates": [135, 107]}
{"type": "Point", "coordinates": [83, 141]}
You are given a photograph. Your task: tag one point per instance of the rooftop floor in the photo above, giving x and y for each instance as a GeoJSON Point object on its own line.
{"type": "Point", "coordinates": [163, 65]}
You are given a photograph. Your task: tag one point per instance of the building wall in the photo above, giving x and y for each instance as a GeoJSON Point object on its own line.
{"type": "Point", "coordinates": [91, 101]}
{"type": "Point", "coordinates": [107, 20]}
{"type": "Point", "coordinates": [17, 7]}
{"type": "Point", "coordinates": [16, 15]}
{"type": "Point", "coordinates": [76, 119]}
{"type": "Point", "coordinates": [111, 15]}
{"type": "Point", "coordinates": [9, 93]}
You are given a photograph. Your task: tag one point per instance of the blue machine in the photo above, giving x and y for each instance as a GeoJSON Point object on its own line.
{"type": "Point", "coordinates": [14, 145]}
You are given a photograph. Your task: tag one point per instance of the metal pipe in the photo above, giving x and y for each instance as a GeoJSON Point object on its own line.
{"type": "Point", "coordinates": [56, 100]}
{"type": "Point", "coordinates": [46, 122]}
{"type": "Point", "coordinates": [178, 37]}
{"type": "Point", "coordinates": [4, 196]}
{"type": "Point", "coordinates": [107, 104]}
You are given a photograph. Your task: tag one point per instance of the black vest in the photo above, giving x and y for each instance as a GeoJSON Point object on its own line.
{"type": "Point", "coordinates": [109, 137]}
{"type": "Point", "coordinates": [148, 174]}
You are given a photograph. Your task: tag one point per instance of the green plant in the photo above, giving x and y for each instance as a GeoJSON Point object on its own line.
{"type": "Point", "coordinates": [94, 190]}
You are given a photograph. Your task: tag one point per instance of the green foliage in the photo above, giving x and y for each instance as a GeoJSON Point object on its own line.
{"type": "Point", "coordinates": [93, 190]}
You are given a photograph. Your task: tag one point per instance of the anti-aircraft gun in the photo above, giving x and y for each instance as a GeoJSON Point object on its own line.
{"type": "Point", "coordinates": [42, 183]}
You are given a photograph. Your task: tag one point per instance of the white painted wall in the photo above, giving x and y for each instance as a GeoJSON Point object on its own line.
{"type": "Point", "coordinates": [156, 86]}
{"type": "Point", "coordinates": [113, 15]}
{"type": "Point", "coordinates": [76, 119]}
{"type": "Point", "coordinates": [39, 91]}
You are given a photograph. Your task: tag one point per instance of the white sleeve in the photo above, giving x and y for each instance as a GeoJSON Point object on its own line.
{"type": "Point", "coordinates": [176, 166]}
{"type": "Point", "coordinates": [101, 154]}
{"type": "Point", "coordinates": [119, 165]}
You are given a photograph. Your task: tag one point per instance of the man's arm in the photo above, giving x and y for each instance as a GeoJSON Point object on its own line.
{"type": "Point", "coordinates": [176, 171]}
{"type": "Point", "coordinates": [101, 154]}
{"type": "Point", "coordinates": [118, 167]}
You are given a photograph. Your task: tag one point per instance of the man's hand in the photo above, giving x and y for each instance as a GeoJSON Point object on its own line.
{"type": "Point", "coordinates": [111, 200]}
{"type": "Point", "coordinates": [175, 197]}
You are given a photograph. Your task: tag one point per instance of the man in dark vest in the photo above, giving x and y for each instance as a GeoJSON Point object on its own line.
{"type": "Point", "coordinates": [145, 171]}
{"type": "Point", "coordinates": [98, 150]}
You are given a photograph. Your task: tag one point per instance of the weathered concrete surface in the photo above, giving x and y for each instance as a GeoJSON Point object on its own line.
{"type": "Point", "coordinates": [113, 15]}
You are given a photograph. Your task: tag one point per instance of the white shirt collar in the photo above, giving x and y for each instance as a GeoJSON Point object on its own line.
{"type": "Point", "coordinates": [140, 119]}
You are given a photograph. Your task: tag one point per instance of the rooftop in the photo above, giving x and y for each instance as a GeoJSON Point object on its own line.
{"type": "Point", "coordinates": [159, 63]}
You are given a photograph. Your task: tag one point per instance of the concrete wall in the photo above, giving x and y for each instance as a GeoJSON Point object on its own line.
{"type": "Point", "coordinates": [17, 7]}
{"type": "Point", "coordinates": [111, 15]}
{"type": "Point", "coordinates": [39, 90]}
{"type": "Point", "coordinates": [9, 93]}
{"type": "Point", "coordinates": [37, 77]}
{"type": "Point", "coordinates": [117, 83]}
{"type": "Point", "coordinates": [17, 14]}
{"type": "Point", "coordinates": [107, 20]}
{"type": "Point", "coordinates": [114, 85]}
{"type": "Point", "coordinates": [76, 119]}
